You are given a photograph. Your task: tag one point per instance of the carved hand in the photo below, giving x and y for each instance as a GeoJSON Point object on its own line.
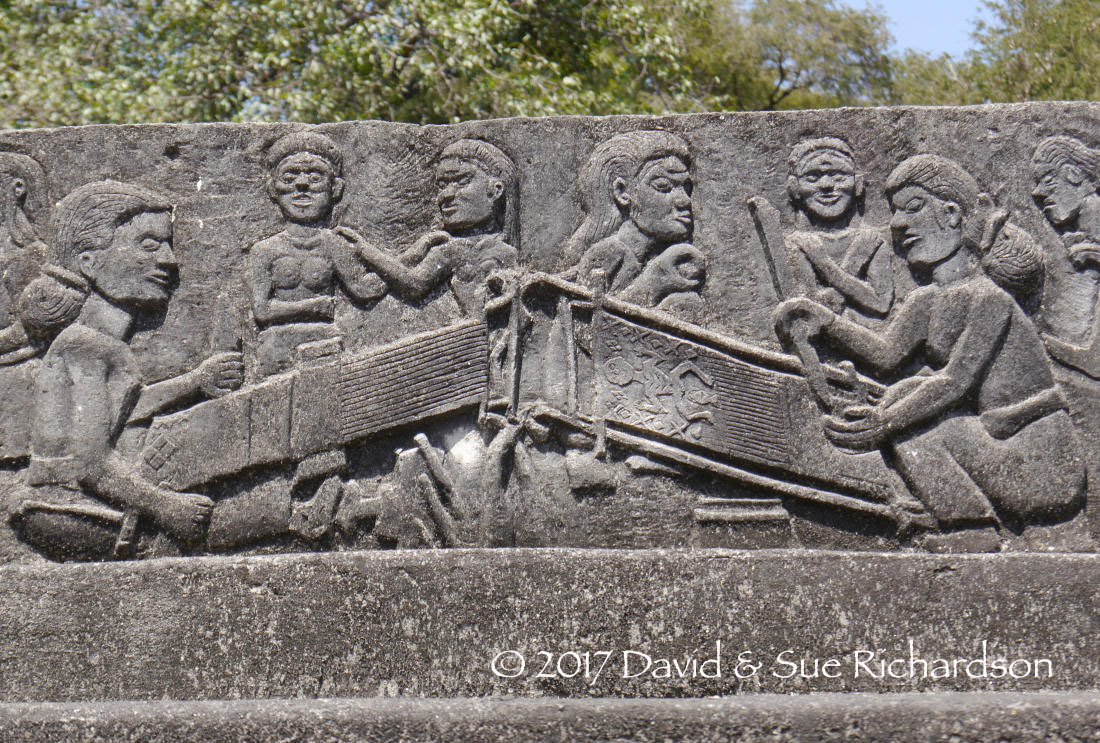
{"type": "Point", "coordinates": [812, 247]}
{"type": "Point", "coordinates": [831, 298]}
{"type": "Point", "coordinates": [811, 316]}
{"type": "Point", "coordinates": [221, 373]}
{"type": "Point", "coordinates": [431, 239]}
{"type": "Point", "coordinates": [859, 428]}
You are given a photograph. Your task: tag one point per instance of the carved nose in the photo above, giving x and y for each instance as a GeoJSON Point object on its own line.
{"type": "Point", "coordinates": [166, 258]}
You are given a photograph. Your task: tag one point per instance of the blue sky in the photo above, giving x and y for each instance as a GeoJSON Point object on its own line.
{"type": "Point", "coordinates": [931, 25]}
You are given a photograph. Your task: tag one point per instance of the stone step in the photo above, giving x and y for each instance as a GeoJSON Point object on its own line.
{"type": "Point", "coordinates": [975, 717]}
{"type": "Point", "coordinates": [548, 622]}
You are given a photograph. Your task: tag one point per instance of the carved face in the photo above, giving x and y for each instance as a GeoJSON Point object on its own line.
{"type": "Point", "coordinates": [825, 185]}
{"type": "Point", "coordinates": [468, 196]}
{"type": "Point", "coordinates": [305, 188]}
{"type": "Point", "coordinates": [927, 228]}
{"type": "Point", "coordinates": [1060, 191]}
{"type": "Point", "coordinates": [138, 269]}
{"type": "Point", "coordinates": [659, 199]}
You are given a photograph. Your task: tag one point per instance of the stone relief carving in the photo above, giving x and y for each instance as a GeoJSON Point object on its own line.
{"type": "Point", "coordinates": [637, 228]}
{"type": "Point", "coordinates": [980, 433]}
{"type": "Point", "coordinates": [908, 398]}
{"type": "Point", "coordinates": [1067, 192]}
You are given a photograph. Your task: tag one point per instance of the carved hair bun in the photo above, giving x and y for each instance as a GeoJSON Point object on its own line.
{"type": "Point", "coordinates": [1012, 258]}
{"type": "Point", "coordinates": [51, 301]}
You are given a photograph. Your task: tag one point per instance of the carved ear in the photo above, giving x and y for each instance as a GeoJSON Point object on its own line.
{"type": "Point", "coordinates": [861, 187]}
{"type": "Point", "coordinates": [270, 188]}
{"type": "Point", "coordinates": [618, 192]}
{"type": "Point", "coordinates": [1073, 174]}
{"type": "Point", "coordinates": [497, 188]}
{"type": "Point", "coordinates": [954, 214]}
{"type": "Point", "coordinates": [792, 189]}
{"type": "Point", "coordinates": [337, 189]}
{"type": "Point", "coordinates": [18, 188]}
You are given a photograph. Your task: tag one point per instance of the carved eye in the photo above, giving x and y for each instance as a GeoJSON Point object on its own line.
{"type": "Point", "coordinates": [288, 178]}
{"type": "Point", "coordinates": [913, 206]}
{"type": "Point", "coordinates": [150, 245]}
{"type": "Point", "coordinates": [315, 177]}
{"type": "Point", "coordinates": [662, 185]}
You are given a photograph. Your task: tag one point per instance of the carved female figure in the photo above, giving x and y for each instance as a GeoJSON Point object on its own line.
{"type": "Point", "coordinates": [114, 241]}
{"type": "Point", "coordinates": [478, 198]}
{"type": "Point", "coordinates": [1067, 191]}
{"type": "Point", "coordinates": [295, 272]}
{"type": "Point", "coordinates": [22, 252]}
{"type": "Point", "coordinates": [980, 434]}
{"type": "Point", "coordinates": [838, 261]}
{"type": "Point", "coordinates": [636, 194]}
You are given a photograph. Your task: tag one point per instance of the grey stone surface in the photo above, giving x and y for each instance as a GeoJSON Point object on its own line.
{"type": "Point", "coordinates": [431, 622]}
{"type": "Point", "coordinates": [868, 329]}
{"type": "Point", "coordinates": [891, 718]}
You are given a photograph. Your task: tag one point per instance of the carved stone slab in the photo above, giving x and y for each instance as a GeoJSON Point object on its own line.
{"type": "Point", "coordinates": [871, 329]}
{"type": "Point", "coordinates": [464, 623]}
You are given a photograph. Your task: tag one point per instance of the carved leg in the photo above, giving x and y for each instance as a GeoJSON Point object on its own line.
{"type": "Point", "coordinates": [313, 518]}
{"type": "Point", "coordinates": [927, 464]}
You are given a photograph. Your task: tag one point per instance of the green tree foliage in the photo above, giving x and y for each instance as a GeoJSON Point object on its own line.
{"type": "Point", "coordinates": [431, 61]}
{"type": "Point", "coordinates": [86, 61]}
{"type": "Point", "coordinates": [1026, 50]}
{"type": "Point", "coordinates": [78, 61]}
{"type": "Point", "coordinates": [775, 54]}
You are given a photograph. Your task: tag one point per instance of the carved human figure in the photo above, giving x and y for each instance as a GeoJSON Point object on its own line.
{"type": "Point", "coordinates": [980, 434]}
{"type": "Point", "coordinates": [477, 195]}
{"type": "Point", "coordinates": [22, 252]}
{"type": "Point", "coordinates": [295, 272]}
{"type": "Point", "coordinates": [636, 193]}
{"type": "Point", "coordinates": [1067, 191]}
{"type": "Point", "coordinates": [87, 497]}
{"type": "Point", "coordinates": [115, 240]}
{"type": "Point", "coordinates": [835, 259]}
{"type": "Point", "coordinates": [477, 189]}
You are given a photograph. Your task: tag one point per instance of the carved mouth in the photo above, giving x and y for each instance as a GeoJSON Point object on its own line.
{"type": "Point", "coordinates": [828, 199]}
{"type": "Point", "coordinates": [162, 279]}
{"type": "Point", "coordinates": [302, 201]}
{"type": "Point", "coordinates": [910, 242]}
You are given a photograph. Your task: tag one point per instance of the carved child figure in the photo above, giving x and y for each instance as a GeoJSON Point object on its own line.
{"type": "Point", "coordinates": [478, 198]}
{"type": "Point", "coordinates": [295, 272]}
{"type": "Point", "coordinates": [115, 240]}
{"type": "Point", "coordinates": [837, 260]}
{"type": "Point", "coordinates": [980, 435]}
{"type": "Point", "coordinates": [636, 193]}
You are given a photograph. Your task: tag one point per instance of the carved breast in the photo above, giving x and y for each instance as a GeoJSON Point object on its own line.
{"type": "Point", "coordinates": [310, 272]}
